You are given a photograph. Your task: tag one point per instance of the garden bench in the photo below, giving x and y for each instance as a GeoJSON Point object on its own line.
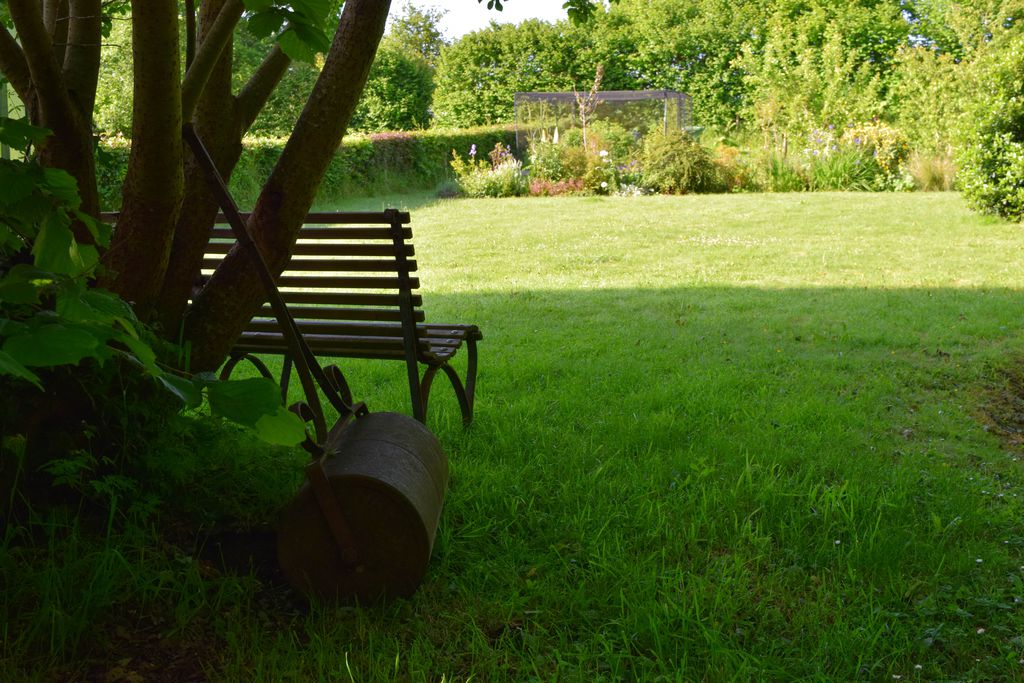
{"type": "Point", "coordinates": [349, 287]}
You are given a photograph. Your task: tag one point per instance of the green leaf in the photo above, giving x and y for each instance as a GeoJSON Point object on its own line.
{"type": "Point", "coordinates": [283, 428]}
{"type": "Point", "coordinates": [52, 344]}
{"type": "Point", "coordinates": [14, 292]}
{"type": "Point", "coordinates": [265, 23]}
{"type": "Point", "coordinates": [142, 351]}
{"type": "Point", "coordinates": [99, 230]}
{"type": "Point", "coordinates": [94, 305]}
{"type": "Point", "coordinates": [10, 366]}
{"type": "Point", "coordinates": [52, 249]}
{"type": "Point", "coordinates": [313, 37]}
{"type": "Point", "coordinates": [189, 393]}
{"type": "Point", "coordinates": [18, 183]}
{"type": "Point", "coordinates": [18, 133]}
{"type": "Point", "coordinates": [245, 401]}
{"type": "Point", "coordinates": [257, 5]}
{"type": "Point", "coordinates": [295, 47]}
{"type": "Point", "coordinates": [62, 185]}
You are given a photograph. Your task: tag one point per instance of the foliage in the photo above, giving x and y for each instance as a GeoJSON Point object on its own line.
{"type": "Point", "coordinates": [888, 150]}
{"type": "Point", "coordinates": [500, 176]}
{"type": "Point", "coordinates": [397, 94]}
{"type": "Point", "coordinates": [780, 174]}
{"type": "Point", "coordinates": [675, 163]}
{"type": "Point", "coordinates": [364, 165]}
{"type": "Point", "coordinates": [415, 31]}
{"type": "Point", "coordinates": [845, 168]}
{"type": "Point", "coordinates": [52, 315]}
{"type": "Point", "coordinates": [478, 75]}
{"type": "Point", "coordinates": [932, 93]}
{"type": "Point", "coordinates": [991, 157]}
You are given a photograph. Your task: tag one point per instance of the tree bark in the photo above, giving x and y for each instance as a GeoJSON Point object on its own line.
{"type": "Point", "coordinates": [220, 121]}
{"type": "Point", "coordinates": [70, 146]}
{"type": "Point", "coordinates": [14, 66]}
{"type": "Point", "coordinates": [224, 306]}
{"type": "Point", "coordinates": [153, 186]}
{"type": "Point", "coordinates": [82, 54]}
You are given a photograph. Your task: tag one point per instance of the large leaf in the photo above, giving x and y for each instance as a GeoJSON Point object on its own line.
{"type": "Point", "coordinates": [94, 305]}
{"type": "Point", "coordinates": [187, 390]}
{"type": "Point", "coordinates": [17, 181]}
{"type": "Point", "coordinates": [245, 401]}
{"type": "Point", "coordinates": [257, 5]}
{"type": "Point", "coordinates": [52, 249]}
{"type": "Point", "coordinates": [283, 428]}
{"type": "Point", "coordinates": [142, 351]}
{"type": "Point", "coordinates": [264, 24]}
{"type": "Point", "coordinates": [63, 186]}
{"type": "Point", "coordinates": [19, 133]}
{"type": "Point", "coordinates": [52, 344]}
{"type": "Point", "coordinates": [293, 45]}
{"type": "Point", "coordinates": [9, 365]}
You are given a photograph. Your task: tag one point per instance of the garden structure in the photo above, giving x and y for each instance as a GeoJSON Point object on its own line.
{"type": "Point", "coordinates": [547, 115]}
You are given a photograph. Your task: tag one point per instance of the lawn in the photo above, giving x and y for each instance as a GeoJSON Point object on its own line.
{"type": "Point", "coordinates": [717, 438]}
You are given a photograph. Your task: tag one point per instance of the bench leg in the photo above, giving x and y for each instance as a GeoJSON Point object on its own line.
{"type": "Point", "coordinates": [234, 360]}
{"type": "Point", "coordinates": [464, 397]}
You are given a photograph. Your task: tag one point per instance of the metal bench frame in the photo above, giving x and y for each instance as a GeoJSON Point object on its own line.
{"type": "Point", "coordinates": [339, 317]}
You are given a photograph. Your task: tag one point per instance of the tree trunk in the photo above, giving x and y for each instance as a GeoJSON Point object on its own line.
{"type": "Point", "coordinates": [220, 120]}
{"type": "Point", "coordinates": [153, 187]}
{"type": "Point", "coordinates": [225, 305]}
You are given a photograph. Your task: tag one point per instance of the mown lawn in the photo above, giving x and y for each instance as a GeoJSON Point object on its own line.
{"type": "Point", "coordinates": [717, 438]}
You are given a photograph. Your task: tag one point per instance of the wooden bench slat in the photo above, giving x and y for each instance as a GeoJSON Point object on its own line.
{"type": "Point", "coordinates": [334, 218]}
{"type": "Point", "coordinates": [346, 299]}
{"type": "Point", "coordinates": [341, 282]}
{"type": "Point", "coordinates": [338, 313]}
{"type": "Point", "coordinates": [326, 249]}
{"type": "Point", "coordinates": [323, 265]}
{"type": "Point", "coordinates": [340, 233]}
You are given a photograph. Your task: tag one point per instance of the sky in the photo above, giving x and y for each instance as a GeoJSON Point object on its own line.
{"type": "Point", "coordinates": [464, 16]}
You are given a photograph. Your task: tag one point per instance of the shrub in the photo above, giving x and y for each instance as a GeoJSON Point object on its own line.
{"type": "Point", "coordinates": [992, 149]}
{"type": "Point", "coordinates": [364, 165]}
{"type": "Point", "coordinates": [502, 177]}
{"type": "Point", "coordinates": [736, 173]}
{"type": "Point", "coordinates": [675, 163]}
{"type": "Point", "coordinates": [845, 168]}
{"type": "Point", "coordinates": [779, 174]}
{"type": "Point", "coordinates": [888, 148]}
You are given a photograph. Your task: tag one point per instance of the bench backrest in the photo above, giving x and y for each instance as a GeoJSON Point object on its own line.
{"type": "Point", "coordinates": [349, 286]}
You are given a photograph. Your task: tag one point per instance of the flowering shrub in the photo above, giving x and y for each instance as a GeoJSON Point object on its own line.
{"type": "Point", "coordinates": [501, 176]}
{"type": "Point", "coordinates": [888, 149]}
{"type": "Point", "coordinates": [675, 163]}
{"type": "Point", "coordinates": [862, 157]}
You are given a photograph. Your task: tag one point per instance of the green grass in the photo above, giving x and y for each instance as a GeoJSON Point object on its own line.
{"type": "Point", "coordinates": [716, 438]}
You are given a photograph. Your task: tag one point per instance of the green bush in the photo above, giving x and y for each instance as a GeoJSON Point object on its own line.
{"type": "Point", "coordinates": [844, 169]}
{"type": "Point", "coordinates": [777, 173]}
{"type": "Point", "coordinates": [501, 177]}
{"type": "Point", "coordinates": [364, 165]}
{"type": "Point", "coordinates": [675, 163]}
{"type": "Point", "coordinates": [991, 157]}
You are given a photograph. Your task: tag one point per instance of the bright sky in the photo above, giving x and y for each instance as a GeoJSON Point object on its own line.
{"type": "Point", "coordinates": [464, 16]}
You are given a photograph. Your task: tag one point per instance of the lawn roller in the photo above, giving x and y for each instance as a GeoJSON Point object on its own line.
{"type": "Point", "coordinates": [362, 525]}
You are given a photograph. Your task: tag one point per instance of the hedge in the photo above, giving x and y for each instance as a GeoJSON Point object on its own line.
{"type": "Point", "coordinates": [364, 165]}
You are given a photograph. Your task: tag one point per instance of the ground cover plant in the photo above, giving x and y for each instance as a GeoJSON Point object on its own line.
{"type": "Point", "coordinates": [724, 437]}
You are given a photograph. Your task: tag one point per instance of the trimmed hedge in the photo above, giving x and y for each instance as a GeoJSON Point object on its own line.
{"type": "Point", "coordinates": [364, 165]}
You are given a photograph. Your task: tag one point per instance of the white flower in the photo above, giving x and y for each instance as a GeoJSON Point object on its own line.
{"type": "Point", "coordinates": [604, 185]}
{"type": "Point", "coordinates": [603, 152]}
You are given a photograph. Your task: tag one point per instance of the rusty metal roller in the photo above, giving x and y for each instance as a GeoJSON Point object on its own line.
{"type": "Point", "coordinates": [362, 527]}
